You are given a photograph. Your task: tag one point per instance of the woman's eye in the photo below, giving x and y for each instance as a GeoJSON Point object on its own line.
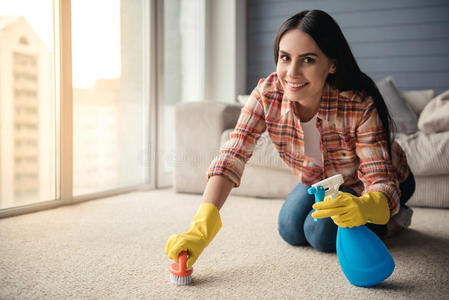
{"type": "Point", "coordinates": [284, 57]}
{"type": "Point", "coordinates": [309, 60]}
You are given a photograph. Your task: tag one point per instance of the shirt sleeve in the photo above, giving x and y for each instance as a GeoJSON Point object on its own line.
{"type": "Point", "coordinates": [376, 170]}
{"type": "Point", "coordinates": [399, 160]}
{"type": "Point", "coordinates": [238, 149]}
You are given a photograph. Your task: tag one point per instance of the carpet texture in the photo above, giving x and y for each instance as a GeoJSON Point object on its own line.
{"type": "Point", "coordinates": [112, 248]}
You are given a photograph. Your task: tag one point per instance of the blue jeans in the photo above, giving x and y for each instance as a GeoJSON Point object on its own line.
{"type": "Point", "coordinates": [297, 227]}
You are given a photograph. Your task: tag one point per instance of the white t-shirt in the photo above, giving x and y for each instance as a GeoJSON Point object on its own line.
{"type": "Point", "coordinates": [312, 141]}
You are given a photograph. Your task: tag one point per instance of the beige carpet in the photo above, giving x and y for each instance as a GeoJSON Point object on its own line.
{"type": "Point", "coordinates": [113, 248]}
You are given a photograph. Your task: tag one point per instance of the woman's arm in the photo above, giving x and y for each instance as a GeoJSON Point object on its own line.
{"type": "Point", "coordinates": [376, 170]}
{"type": "Point", "coordinates": [217, 190]}
{"type": "Point", "coordinates": [224, 173]}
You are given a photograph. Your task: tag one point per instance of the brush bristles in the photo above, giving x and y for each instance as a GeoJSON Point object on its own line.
{"type": "Point", "coordinates": [180, 280]}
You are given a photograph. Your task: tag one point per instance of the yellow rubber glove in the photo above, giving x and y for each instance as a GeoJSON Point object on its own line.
{"type": "Point", "coordinates": [348, 210]}
{"type": "Point", "coordinates": [204, 227]}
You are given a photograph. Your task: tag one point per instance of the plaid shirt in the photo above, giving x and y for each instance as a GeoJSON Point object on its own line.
{"type": "Point", "coordinates": [353, 142]}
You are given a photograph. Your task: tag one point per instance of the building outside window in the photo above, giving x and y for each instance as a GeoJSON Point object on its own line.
{"type": "Point", "coordinates": [111, 111]}
{"type": "Point", "coordinates": [27, 111]}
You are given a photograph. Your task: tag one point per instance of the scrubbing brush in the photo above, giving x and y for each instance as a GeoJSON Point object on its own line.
{"type": "Point", "coordinates": [179, 275]}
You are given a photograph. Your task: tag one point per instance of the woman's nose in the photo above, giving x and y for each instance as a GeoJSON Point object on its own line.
{"type": "Point", "coordinates": [294, 70]}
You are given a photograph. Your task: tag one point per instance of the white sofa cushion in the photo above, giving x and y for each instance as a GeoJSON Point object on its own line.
{"type": "Point", "coordinates": [426, 154]}
{"type": "Point", "coordinates": [435, 116]}
{"type": "Point", "coordinates": [242, 99]}
{"type": "Point", "coordinates": [418, 99]}
{"type": "Point", "coordinates": [431, 191]}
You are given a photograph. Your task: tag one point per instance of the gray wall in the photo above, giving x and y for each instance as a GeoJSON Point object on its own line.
{"type": "Point", "coordinates": [408, 39]}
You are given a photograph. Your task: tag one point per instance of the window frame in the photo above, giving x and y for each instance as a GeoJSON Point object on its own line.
{"type": "Point", "coordinates": [64, 109]}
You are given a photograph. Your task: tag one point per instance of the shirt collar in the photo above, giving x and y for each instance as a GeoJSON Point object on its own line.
{"type": "Point", "coordinates": [328, 93]}
{"type": "Point", "coordinates": [286, 106]}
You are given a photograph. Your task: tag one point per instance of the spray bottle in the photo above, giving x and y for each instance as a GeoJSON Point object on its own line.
{"type": "Point", "coordinates": [363, 257]}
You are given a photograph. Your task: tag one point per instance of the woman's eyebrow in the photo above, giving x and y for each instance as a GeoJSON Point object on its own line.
{"type": "Point", "coordinates": [305, 54]}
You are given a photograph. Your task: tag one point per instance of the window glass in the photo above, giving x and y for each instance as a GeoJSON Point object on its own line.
{"type": "Point", "coordinates": [110, 142]}
{"type": "Point", "coordinates": [183, 58]}
{"type": "Point", "coordinates": [28, 138]}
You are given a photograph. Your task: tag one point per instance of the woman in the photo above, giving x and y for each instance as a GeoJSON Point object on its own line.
{"type": "Point", "coordinates": [325, 117]}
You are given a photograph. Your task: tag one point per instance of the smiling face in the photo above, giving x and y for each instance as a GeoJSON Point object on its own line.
{"type": "Point", "coordinates": [302, 67]}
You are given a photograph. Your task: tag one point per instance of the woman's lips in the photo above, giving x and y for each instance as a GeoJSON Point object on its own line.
{"type": "Point", "coordinates": [296, 86]}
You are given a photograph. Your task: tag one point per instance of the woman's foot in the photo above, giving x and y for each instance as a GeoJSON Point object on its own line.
{"type": "Point", "coordinates": [399, 222]}
{"type": "Point", "coordinates": [393, 229]}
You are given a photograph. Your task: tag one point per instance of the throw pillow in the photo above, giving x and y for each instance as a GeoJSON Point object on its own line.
{"type": "Point", "coordinates": [418, 99]}
{"type": "Point", "coordinates": [403, 116]}
{"type": "Point", "coordinates": [435, 116]}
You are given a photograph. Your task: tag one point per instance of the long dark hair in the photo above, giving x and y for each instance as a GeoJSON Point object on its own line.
{"type": "Point", "coordinates": [329, 37]}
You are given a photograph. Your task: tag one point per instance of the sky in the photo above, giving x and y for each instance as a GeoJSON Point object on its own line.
{"type": "Point", "coordinates": [95, 34]}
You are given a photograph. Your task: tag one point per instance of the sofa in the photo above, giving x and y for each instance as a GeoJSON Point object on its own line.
{"type": "Point", "coordinates": [422, 130]}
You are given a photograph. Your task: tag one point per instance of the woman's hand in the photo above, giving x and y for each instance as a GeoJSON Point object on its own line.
{"type": "Point", "coordinates": [204, 227]}
{"type": "Point", "coordinates": [348, 210]}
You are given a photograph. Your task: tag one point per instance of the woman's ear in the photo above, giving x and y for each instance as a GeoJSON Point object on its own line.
{"type": "Point", "coordinates": [333, 67]}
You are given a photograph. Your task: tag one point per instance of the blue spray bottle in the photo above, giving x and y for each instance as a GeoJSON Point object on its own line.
{"type": "Point", "coordinates": [363, 257]}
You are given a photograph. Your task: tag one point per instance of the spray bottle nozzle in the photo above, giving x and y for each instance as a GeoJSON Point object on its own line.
{"type": "Point", "coordinates": [327, 187]}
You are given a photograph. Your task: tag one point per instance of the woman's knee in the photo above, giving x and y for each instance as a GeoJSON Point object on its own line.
{"type": "Point", "coordinates": [291, 231]}
{"type": "Point", "coordinates": [321, 234]}
{"type": "Point", "coordinates": [292, 215]}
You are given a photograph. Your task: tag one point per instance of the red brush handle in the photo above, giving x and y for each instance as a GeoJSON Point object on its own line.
{"type": "Point", "coordinates": [179, 268]}
{"type": "Point", "coordinates": [182, 262]}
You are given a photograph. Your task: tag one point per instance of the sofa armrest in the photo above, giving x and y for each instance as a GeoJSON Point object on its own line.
{"type": "Point", "coordinates": [198, 129]}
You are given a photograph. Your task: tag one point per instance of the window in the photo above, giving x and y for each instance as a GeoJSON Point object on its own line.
{"type": "Point", "coordinates": [109, 146]}
{"type": "Point", "coordinates": [82, 125]}
{"type": "Point", "coordinates": [27, 103]}
{"type": "Point", "coordinates": [183, 58]}
{"type": "Point", "coordinates": [110, 98]}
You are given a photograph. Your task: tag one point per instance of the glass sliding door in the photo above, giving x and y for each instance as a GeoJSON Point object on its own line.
{"type": "Point", "coordinates": [28, 139]}
{"type": "Point", "coordinates": [182, 57]}
{"type": "Point", "coordinates": [110, 95]}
